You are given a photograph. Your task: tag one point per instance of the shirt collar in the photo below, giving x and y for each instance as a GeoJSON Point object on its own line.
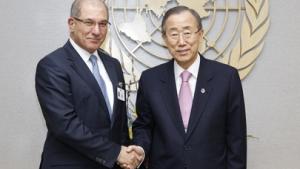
{"type": "Point", "coordinates": [85, 55]}
{"type": "Point", "coordinates": [193, 69]}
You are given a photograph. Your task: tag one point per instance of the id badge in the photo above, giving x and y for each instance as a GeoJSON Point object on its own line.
{"type": "Point", "coordinates": [121, 94]}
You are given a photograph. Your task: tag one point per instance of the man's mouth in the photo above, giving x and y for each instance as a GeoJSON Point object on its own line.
{"type": "Point", "coordinates": [182, 52]}
{"type": "Point", "coordinates": [94, 40]}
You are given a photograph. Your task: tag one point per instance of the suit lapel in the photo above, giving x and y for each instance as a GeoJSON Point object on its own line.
{"type": "Point", "coordinates": [201, 95]}
{"type": "Point", "coordinates": [84, 72]}
{"type": "Point", "coordinates": [169, 95]}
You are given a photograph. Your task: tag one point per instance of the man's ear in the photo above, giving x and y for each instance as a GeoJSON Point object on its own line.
{"type": "Point", "coordinates": [201, 32]}
{"type": "Point", "coordinates": [202, 40]}
{"type": "Point", "coordinates": [164, 37]}
{"type": "Point", "coordinates": [71, 24]}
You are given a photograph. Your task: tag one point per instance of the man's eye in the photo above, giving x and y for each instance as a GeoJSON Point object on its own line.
{"type": "Point", "coordinates": [89, 23]}
{"type": "Point", "coordinates": [102, 24]}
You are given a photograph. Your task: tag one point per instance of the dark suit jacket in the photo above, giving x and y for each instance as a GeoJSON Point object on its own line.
{"type": "Point", "coordinates": [216, 136]}
{"type": "Point", "coordinates": [80, 132]}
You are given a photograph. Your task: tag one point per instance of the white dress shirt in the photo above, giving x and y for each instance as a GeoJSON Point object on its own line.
{"type": "Point", "coordinates": [85, 57]}
{"type": "Point", "coordinates": [193, 69]}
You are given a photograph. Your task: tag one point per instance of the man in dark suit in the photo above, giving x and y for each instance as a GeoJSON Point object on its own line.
{"type": "Point", "coordinates": [81, 91]}
{"type": "Point", "coordinates": [191, 112]}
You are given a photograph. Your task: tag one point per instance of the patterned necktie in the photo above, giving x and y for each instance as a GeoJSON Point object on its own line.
{"type": "Point", "coordinates": [185, 98]}
{"type": "Point", "coordinates": [101, 83]}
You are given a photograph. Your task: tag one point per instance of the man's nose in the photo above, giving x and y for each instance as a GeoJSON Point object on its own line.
{"type": "Point", "coordinates": [181, 39]}
{"type": "Point", "coordinates": [96, 29]}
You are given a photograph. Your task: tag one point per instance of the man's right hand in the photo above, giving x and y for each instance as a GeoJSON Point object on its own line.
{"type": "Point", "coordinates": [128, 159]}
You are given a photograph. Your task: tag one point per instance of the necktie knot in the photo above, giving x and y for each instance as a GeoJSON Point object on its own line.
{"type": "Point", "coordinates": [93, 59]}
{"type": "Point", "coordinates": [185, 76]}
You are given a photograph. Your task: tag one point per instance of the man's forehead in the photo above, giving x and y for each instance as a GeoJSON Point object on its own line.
{"type": "Point", "coordinates": [180, 25]}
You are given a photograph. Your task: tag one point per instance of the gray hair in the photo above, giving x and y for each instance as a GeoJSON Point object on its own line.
{"type": "Point", "coordinates": [178, 10]}
{"type": "Point", "coordinates": [76, 7]}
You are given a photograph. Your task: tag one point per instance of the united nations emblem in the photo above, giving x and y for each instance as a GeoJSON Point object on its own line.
{"type": "Point", "coordinates": [234, 32]}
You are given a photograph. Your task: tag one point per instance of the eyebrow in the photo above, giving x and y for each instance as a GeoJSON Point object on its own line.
{"type": "Point", "coordinates": [90, 19]}
{"type": "Point", "coordinates": [184, 28]}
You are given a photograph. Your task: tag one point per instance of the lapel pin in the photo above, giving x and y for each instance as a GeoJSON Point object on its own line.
{"type": "Point", "coordinates": [202, 90]}
{"type": "Point", "coordinates": [120, 84]}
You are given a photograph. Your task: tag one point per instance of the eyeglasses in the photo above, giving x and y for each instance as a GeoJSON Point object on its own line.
{"type": "Point", "coordinates": [91, 23]}
{"type": "Point", "coordinates": [186, 34]}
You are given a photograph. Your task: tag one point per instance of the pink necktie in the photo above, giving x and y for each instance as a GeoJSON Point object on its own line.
{"type": "Point", "coordinates": [185, 98]}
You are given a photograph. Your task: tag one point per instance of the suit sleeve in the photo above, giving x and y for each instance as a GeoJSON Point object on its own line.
{"type": "Point", "coordinates": [55, 96]}
{"type": "Point", "coordinates": [236, 125]}
{"type": "Point", "coordinates": [142, 126]}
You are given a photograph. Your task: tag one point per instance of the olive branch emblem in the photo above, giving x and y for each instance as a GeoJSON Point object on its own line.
{"type": "Point", "coordinates": [255, 25]}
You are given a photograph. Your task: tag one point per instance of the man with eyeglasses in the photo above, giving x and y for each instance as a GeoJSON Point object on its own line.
{"type": "Point", "coordinates": [81, 92]}
{"type": "Point", "coordinates": [191, 112]}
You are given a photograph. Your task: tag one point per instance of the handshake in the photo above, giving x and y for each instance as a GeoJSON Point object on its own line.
{"type": "Point", "coordinates": [130, 157]}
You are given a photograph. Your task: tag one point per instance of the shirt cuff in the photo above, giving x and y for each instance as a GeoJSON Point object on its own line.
{"type": "Point", "coordinates": [141, 148]}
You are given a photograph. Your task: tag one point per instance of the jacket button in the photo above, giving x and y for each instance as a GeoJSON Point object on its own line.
{"type": "Point", "coordinates": [187, 148]}
{"type": "Point", "coordinates": [100, 160]}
